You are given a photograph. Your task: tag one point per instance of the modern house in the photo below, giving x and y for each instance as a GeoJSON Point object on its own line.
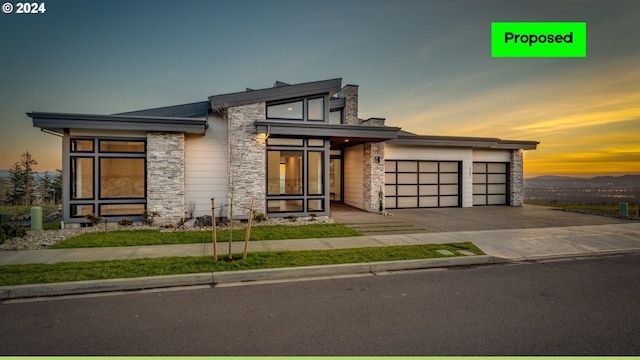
{"type": "Point", "coordinates": [294, 148]}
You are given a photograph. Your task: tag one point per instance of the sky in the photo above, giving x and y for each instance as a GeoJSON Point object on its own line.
{"type": "Point", "coordinates": [425, 66]}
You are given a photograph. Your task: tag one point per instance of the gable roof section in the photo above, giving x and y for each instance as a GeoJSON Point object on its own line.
{"type": "Point", "coordinates": [57, 122]}
{"type": "Point", "coordinates": [407, 138]}
{"type": "Point", "coordinates": [184, 110]}
{"type": "Point", "coordinates": [280, 92]}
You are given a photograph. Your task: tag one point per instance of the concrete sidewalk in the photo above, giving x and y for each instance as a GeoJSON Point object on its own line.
{"type": "Point", "coordinates": [512, 244]}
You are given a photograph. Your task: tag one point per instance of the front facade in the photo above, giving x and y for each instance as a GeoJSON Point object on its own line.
{"type": "Point", "coordinates": [294, 149]}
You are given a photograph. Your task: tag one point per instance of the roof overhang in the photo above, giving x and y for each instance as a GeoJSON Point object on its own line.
{"type": "Point", "coordinates": [329, 87]}
{"type": "Point", "coordinates": [459, 141]}
{"type": "Point", "coordinates": [57, 122]}
{"type": "Point", "coordinates": [341, 135]}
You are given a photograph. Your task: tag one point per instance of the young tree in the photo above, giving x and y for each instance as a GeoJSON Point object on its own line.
{"type": "Point", "coordinates": [26, 163]}
{"type": "Point", "coordinates": [22, 179]}
{"type": "Point", "coordinates": [16, 183]}
{"type": "Point", "coordinates": [45, 188]}
{"type": "Point", "coordinates": [57, 187]}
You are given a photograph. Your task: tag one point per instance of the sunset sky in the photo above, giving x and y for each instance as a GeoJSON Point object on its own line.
{"type": "Point", "coordinates": [425, 66]}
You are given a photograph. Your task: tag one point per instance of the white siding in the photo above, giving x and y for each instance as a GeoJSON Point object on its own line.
{"type": "Point", "coordinates": [409, 152]}
{"type": "Point", "coordinates": [353, 176]}
{"type": "Point", "coordinates": [492, 155]}
{"type": "Point", "coordinates": [206, 167]}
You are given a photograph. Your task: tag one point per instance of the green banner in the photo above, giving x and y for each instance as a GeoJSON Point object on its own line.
{"type": "Point", "coordinates": [538, 39]}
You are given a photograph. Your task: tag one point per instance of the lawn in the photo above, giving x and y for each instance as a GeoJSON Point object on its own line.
{"type": "Point", "coordinates": [156, 237]}
{"type": "Point", "coordinates": [611, 210]}
{"type": "Point", "coordinates": [95, 270]}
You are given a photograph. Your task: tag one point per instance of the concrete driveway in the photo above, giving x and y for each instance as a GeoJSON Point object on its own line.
{"type": "Point", "coordinates": [463, 219]}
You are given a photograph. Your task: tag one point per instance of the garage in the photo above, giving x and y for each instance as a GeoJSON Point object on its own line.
{"type": "Point", "coordinates": [422, 184]}
{"type": "Point", "coordinates": [490, 183]}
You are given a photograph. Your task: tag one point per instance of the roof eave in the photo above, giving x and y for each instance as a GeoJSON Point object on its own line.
{"type": "Point", "coordinates": [276, 93]}
{"type": "Point", "coordinates": [58, 121]}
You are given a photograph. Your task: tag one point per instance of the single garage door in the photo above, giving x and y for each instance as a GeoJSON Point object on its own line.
{"type": "Point", "coordinates": [422, 184]}
{"type": "Point", "coordinates": [490, 183]}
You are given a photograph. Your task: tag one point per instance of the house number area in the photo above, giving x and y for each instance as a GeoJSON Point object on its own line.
{"type": "Point", "coordinates": [24, 8]}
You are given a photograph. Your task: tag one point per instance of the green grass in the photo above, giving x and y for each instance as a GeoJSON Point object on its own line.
{"type": "Point", "coordinates": [51, 226]}
{"type": "Point", "coordinates": [602, 209]}
{"type": "Point", "coordinates": [94, 270]}
{"type": "Point", "coordinates": [24, 210]}
{"type": "Point", "coordinates": [155, 237]}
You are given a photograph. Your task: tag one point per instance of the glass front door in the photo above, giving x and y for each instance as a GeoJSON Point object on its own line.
{"type": "Point", "coordinates": [335, 177]}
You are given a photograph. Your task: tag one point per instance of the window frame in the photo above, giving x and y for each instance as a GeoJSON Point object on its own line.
{"type": "Point", "coordinates": [305, 109]}
{"type": "Point", "coordinates": [305, 197]}
{"type": "Point", "coordinates": [96, 155]}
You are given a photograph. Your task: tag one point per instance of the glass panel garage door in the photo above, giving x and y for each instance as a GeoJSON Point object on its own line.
{"type": "Point", "coordinates": [422, 184]}
{"type": "Point", "coordinates": [490, 183]}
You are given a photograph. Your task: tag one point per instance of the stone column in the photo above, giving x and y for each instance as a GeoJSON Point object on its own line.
{"type": "Point", "coordinates": [247, 159]}
{"type": "Point", "coordinates": [165, 176]}
{"type": "Point", "coordinates": [373, 177]}
{"type": "Point", "coordinates": [516, 181]}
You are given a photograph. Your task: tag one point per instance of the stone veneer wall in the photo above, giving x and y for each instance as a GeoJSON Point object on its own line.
{"type": "Point", "coordinates": [165, 176]}
{"type": "Point", "coordinates": [350, 113]}
{"type": "Point", "coordinates": [516, 182]}
{"type": "Point", "coordinates": [247, 165]}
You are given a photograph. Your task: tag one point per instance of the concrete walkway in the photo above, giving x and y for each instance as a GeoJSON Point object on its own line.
{"type": "Point", "coordinates": [511, 244]}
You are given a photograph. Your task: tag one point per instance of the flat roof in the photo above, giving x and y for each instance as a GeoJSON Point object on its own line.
{"type": "Point", "coordinates": [57, 122]}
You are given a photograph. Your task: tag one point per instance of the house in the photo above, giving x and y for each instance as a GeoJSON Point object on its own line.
{"type": "Point", "coordinates": [294, 148]}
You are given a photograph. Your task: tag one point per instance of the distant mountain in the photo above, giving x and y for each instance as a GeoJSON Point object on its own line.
{"type": "Point", "coordinates": [614, 181]}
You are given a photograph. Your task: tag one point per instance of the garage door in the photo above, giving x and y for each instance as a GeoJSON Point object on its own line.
{"type": "Point", "coordinates": [490, 183]}
{"type": "Point", "coordinates": [422, 184]}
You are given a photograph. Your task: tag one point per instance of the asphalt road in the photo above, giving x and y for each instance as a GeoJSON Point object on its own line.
{"type": "Point", "coordinates": [581, 307]}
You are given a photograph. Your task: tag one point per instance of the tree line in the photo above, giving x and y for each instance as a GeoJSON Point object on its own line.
{"type": "Point", "coordinates": [24, 187]}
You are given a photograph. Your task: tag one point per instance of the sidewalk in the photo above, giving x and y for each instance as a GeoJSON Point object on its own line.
{"type": "Point", "coordinates": [512, 245]}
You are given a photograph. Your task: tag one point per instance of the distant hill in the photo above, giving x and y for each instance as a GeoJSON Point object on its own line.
{"type": "Point", "coordinates": [615, 181]}
{"type": "Point", "coordinates": [572, 190]}
{"type": "Point", "coordinates": [5, 173]}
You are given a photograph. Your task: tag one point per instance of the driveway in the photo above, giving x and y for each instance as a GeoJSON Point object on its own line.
{"type": "Point", "coordinates": [463, 219]}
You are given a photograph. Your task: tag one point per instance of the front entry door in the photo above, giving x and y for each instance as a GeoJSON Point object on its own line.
{"type": "Point", "coordinates": [335, 177]}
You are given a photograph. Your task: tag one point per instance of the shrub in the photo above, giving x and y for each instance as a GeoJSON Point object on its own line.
{"type": "Point", "coordinates": [93, 219]}
{"type": "Point", "coordinates": [8, 231]}
{"type": "Point", "coordinates": [149, 216]}
{"type": "Point", "coordinates": [125, 222]}
{"type": "Point", "coordinates": [292, 218]}
{"type": "Point", "coordinates": [259, 217]}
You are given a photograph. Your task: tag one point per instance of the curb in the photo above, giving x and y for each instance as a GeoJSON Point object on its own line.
{"type": "Point", "coordinates": [166, 281]}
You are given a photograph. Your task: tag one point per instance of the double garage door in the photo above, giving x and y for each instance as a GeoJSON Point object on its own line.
{"type": "Point", "coordinates": [422, 184]}
{"type": "Point", "coordinates": [432, 184]}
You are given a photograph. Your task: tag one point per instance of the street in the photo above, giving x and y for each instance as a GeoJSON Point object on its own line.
{"type": "Point", "coordinates": [575, 307]}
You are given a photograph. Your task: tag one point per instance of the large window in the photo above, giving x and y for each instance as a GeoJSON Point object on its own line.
{"type": "Point", "coordinates": [108, 177]}
{"type": "Point", "coordinates": [121, 178]}
{"type": "Point", "coordinates": [290, 110]}
{"type": "Point", "coordinates": [296, 175]}
{"type": "Point", "coordinates": [311, 109]}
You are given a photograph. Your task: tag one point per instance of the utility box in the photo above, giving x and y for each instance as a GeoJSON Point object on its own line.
{"type": "Point", "coordinates": [3, 218]}
{"type": "Point", "coordinates": [36, 218]}
{"type": "Point", "coordinates": [624, 209]}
